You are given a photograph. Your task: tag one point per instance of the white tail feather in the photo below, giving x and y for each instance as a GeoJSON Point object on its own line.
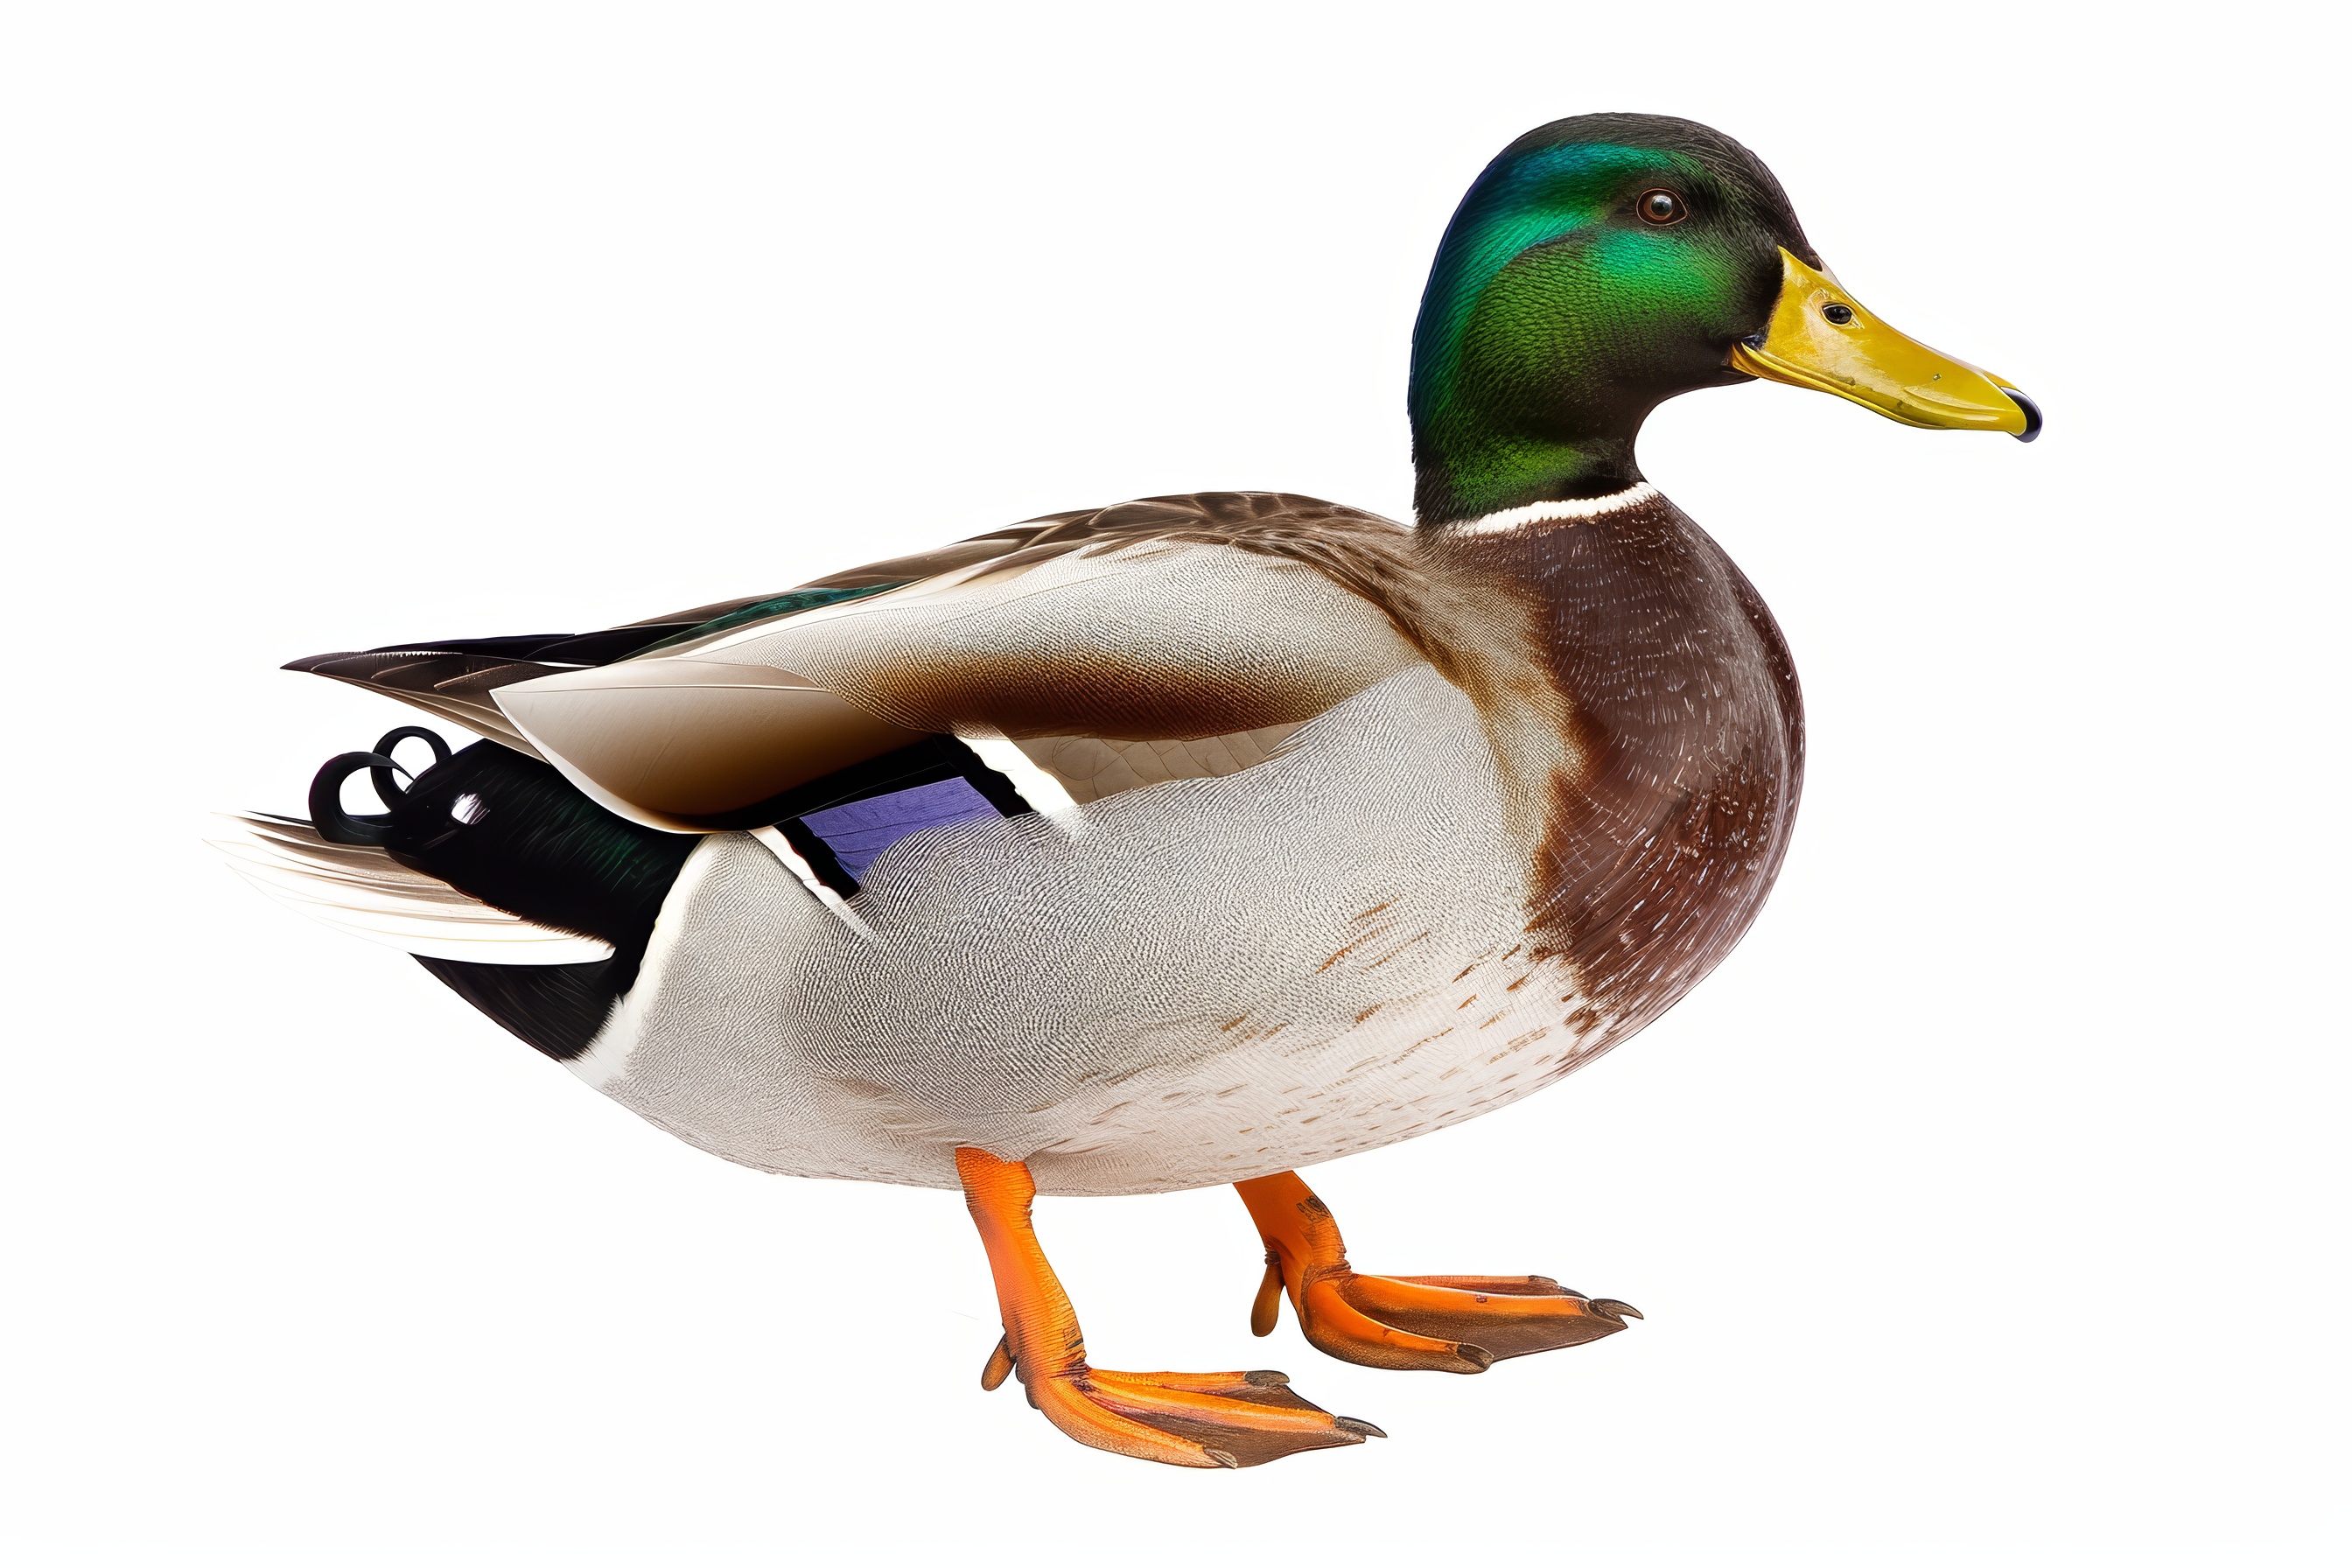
{"type": "Point", "coordinates": [366, 892]}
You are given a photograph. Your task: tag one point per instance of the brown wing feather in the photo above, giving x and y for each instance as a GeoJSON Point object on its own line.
{"type": "Point", "coordinates": [1363, 551]}
{"type": "Point", "coordinates": [935, 563]}
{"type": "Point", "coordinates": [896, 571]}
{"type": "Point", "coordinates": [456, 685]}
{"type": "Point", "coordinates": [1221, 675]}
{"type": "Point", "coordinates": [1197, 640]}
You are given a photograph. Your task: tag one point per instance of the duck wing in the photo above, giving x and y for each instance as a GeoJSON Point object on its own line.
{"type": "Point", "coordinates": [453, 677]}
{"type": "Point", "coordinates": [1080, 653]}
{"type": "Point", "coordinates": [1208, 621]}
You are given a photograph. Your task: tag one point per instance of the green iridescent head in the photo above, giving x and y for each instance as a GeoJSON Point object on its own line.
{"type": "Point", "coordinates": [1599, 266]}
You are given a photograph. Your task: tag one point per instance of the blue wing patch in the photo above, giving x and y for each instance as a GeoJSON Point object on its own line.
{"type": "Point", "coordinates": [858, 832]}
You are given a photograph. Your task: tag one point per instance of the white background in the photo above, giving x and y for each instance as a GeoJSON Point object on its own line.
{"type": "Point", "coordinates": [1986, 1205]}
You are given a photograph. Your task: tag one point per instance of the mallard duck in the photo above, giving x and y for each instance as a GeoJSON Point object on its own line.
{"type": "Point", "coordinates": [1184, 841]}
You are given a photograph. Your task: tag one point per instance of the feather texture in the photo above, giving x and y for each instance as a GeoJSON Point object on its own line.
{"type": "Point", "coordinates": [367, 893]}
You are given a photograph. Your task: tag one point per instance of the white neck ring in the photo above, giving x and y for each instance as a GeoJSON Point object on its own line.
{"type": "Point", "coordinates": [1544, 512]}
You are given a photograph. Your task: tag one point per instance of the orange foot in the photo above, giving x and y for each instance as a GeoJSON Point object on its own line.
{"type": "Point", "coordinates": [1431, 1322]}
{"type": "Point", "coordinates": [1204, 1420]}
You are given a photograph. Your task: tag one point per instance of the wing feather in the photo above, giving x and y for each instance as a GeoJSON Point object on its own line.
{"type": "Point", "coordinates": [1185, 622]}
{"type": "Point", "coordinates": [1182, 624]}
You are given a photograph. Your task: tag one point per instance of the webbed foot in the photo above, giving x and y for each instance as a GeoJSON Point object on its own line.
{"type": "Point", "coordinates": [1438, 1323]}
{"type": "Point", "coordinates": [1204, 1420]}
{"type": "Point", "coordinates": [1227, 1419]}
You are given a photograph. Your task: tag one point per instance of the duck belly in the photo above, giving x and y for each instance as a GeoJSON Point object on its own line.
{"type": "Point", "coordinates": [1195, 983]}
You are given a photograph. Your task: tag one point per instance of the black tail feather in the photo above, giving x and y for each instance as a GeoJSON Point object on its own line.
{"type": "Point", "coordinates": [553, 1008]}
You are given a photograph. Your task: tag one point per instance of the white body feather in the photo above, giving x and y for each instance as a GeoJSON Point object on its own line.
{"type": "Point", "coordinates": [1219, 978]}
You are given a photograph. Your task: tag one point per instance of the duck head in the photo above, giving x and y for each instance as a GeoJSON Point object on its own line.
{"type": "Point", "coordinates": [1603, 264]}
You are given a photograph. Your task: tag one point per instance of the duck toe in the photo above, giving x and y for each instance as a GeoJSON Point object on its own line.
{"type": "Point", "coordinates": [1228, 1420]}
{"type": "Point", "coordinates": [1458, 1323]}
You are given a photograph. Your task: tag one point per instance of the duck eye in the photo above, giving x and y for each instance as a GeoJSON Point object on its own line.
{"type": "Point", "coordinates": [1660, 207]}
{"type": "Point", "coordinates": [1838, 315]}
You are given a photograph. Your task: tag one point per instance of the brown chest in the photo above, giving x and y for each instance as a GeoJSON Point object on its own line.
{"type": "Point", "coordinates": [1661, 839]}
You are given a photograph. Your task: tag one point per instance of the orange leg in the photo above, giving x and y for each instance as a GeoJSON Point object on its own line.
{"type": "Point", "coordinates": [1200, 1419]}
{"type": "Point", "coordinates": [1430, 1322]}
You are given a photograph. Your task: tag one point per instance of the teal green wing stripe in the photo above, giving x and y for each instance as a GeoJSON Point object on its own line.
{"type": "Point", "coordinates": [783, 605]}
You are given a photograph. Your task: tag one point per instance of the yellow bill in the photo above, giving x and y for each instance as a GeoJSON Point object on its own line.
{"type": "Point", "coordinates": [1819, 337]}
